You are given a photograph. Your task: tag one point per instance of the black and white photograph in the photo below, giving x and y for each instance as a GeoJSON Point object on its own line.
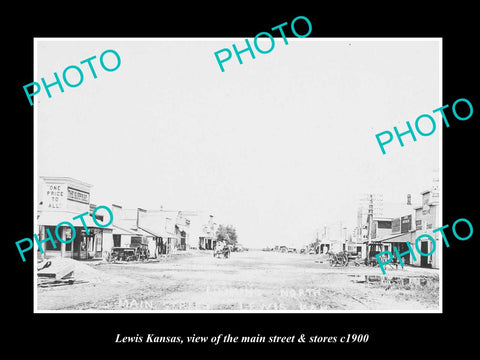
{"type": "Point", "coordinates": [206, 180]}
{"type": "Point", "coordinates": [262, 187]}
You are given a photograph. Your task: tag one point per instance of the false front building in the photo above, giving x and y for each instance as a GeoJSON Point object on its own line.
{"type": "Point", "coordinates": [60, 199]}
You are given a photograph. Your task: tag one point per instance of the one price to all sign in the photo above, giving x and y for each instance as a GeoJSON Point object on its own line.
{"type": "Point", "coordinates": [55, 196]}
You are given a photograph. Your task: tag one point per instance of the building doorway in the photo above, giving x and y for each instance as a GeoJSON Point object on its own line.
{"type": "Point", "coordinates": [402, 248]}
{"type": "Point", "coordinates": [81, 245]}
{"type": "Point", "coordinates": [117, 240]}
{"type": "Point", "coordinates": [424, 249]}
{"type": "Point", "coordinates": [183, 240]}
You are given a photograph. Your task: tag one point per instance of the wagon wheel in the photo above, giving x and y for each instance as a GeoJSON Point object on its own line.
{"type": "Point", "coordinates": [338, 260]}
{"type": "Point", "coordinates": [345, 260]}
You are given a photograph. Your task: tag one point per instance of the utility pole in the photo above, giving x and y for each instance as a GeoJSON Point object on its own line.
{"type": "Point", "coordinates": [370, 218]}
{"type": "Point", "coordinates": [341, 236]}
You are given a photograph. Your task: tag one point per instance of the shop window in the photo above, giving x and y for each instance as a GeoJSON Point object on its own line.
{"type": "Point", "coordinates": [68, 237]}
{"type": "Point", "coordinates": [99, 245]}
{"type": "Point", "coordinates": [384, 224]}
{"type": "Point", "coordinates": [48, 244]}
{"type": "Point", "coordinates": [98, 240]}
{"type": "Point", "coordinates": [91, 242]}
{"type": "Point", "coordinates": [117, 240]}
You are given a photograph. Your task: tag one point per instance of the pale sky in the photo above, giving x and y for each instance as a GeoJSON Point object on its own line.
{"type": "Point", "coordinates": [276, 147]}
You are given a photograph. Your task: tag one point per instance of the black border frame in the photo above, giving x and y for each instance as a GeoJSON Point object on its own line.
{"type": "Point", "coordinates": [389, 333]}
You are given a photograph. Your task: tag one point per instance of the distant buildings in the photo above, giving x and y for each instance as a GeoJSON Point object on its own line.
{"type": "Point", "coordinates": [332, 237]}
{"type": "Point", "coordinates": [62, 198]}
{"type": "Point", "coordinates": [202, 229]}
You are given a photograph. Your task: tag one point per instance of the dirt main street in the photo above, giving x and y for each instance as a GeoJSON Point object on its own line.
{"type": "Point", "coordinates": [252, 280]}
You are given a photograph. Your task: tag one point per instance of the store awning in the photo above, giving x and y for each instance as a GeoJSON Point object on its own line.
{"type": "Point", "coordinates": [53, 218]}
{"type": "Point", "coordinates": [118, 230]}
{"type": "Point", "coordinates": [144, 233]}
{"type": "Point", "coordinates": [157, 233]}
{"type": "Point", "coordinates": [373, 242]}
{"type": "Point", "coordinates": [398, 238]}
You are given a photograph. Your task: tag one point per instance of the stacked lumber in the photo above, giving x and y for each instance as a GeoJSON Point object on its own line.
{"type": "Point", "coordinates": [54, 273]}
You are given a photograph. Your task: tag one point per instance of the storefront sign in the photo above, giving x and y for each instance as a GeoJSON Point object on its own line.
{"type": "Point", "coordinates": [406, 223]}
{"type": "Point", "coordinates": [78, 195]}
{"type": "Point", "coordinates": [55, 195]}
{"type": "Point", "coordinates": [418, 224]}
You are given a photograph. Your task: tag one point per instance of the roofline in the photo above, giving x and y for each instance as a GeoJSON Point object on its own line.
{"type": "Point", "coordinates": [156, 234]}
{"type": "Point", "coordinates": [393, 236]}
{"type": "Point", "coordinates": [429, 204]}
{"type": "Point", "coordinates": [127, 230]}
{"type": "Point", "coordinates": [65, 178]}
